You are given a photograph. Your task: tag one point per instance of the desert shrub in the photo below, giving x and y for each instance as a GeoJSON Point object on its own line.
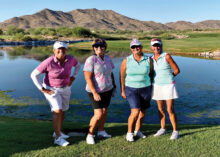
{"type": "Point", "coordinates": [64, 31]}
{"type": "Point", "coordinates": [123, 31]}
{"type": "Point", "coordinates": [13, 30]}
{"type": "Point", "coordinates": [36, 31]}
{"type": "Point", "coordinates": [39, 37]}
{"type": "Point", "coordinates": [26, 38]}
{"type": "Point", "coordinates": [48, 31]}
{"type": "Point", "coordinates": [81, 32]}
{"type": "Point", "coordinates": [22, 37]}
{"type": "Point", "coordinates": [167, 36]}
{"type": "Point", "coordinates": [157, 32]}
{"type": "Point", "coordinates": [1, 31]}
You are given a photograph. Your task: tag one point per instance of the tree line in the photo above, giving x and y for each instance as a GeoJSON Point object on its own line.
{"type": "Point", "coordinates": [42, 33]}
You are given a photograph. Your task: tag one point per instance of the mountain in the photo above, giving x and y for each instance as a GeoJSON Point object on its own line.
{"type": "Point", "coordinates": [213, 24]}
{"type": "Point", "coordinates": [99, 19]}
{"type": "Point", "coordinates": [182, 25]}
{"type": "Point", "coordinates": [44, 18]}
{"type": "Point", "coordinates": [90, 18]}
{"type": "Point", "coordinates": [110, 20]}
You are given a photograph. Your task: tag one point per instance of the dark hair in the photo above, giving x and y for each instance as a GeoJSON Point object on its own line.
{"type": "Point", "coordinates": [99, 41]}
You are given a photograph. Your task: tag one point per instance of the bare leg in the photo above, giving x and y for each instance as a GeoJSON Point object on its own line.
{"type": "Point", "coordinates": [63, 114]}
{"type": "Point", "coordinates": [161, 112]}
{"type": "Point", "coordinates": [103, 119]}
{"type": "Point", "coordinates": [57, 121]}
{"type": "Point", "coordinates": [140, 120]}
{"type": "Point", "coordinates": [132, 118]}
{"type": "Point", "coordinates": [95, 120]}
{"type": "Point", "coordinates": [172, 115]}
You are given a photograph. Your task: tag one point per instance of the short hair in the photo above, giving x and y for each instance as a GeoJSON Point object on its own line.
{"type": "Point", "coordinates": [98, 40]}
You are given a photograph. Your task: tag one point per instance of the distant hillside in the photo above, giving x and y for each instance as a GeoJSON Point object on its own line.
{"type": "Point", "coordinates": [90, 18]}
{"type": "Point", "coordinates": [99, 19]}
{"type": "Point", "coordinates": [214, 24]}
{"type": "Point", "coordinates": [182, 25]}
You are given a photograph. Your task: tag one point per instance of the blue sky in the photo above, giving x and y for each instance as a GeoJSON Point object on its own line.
{"type": "Point", "coordinates": [162, 11]}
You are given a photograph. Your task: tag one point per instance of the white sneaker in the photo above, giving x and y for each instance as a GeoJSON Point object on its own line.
{"type": "Point", "coordinates": [90, 139]}
{"type": "Point", "coordinates": [175, 135]}
{"type": "Point", "coordinates": [103, 134]}
{"type": "Point", "coordinates": [160, 132]}
{"type": "Point", "coordinates": [139, 134]}
{"type": "Point", "coordinates": [130, 137]}
{"type": "Point", "coordinates": [62, 135]}
{"type": "Point", "coordinates": [61, 142]}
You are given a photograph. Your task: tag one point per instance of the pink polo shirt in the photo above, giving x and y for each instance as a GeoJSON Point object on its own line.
{"type": "Point", "coordinates": [57, 75]}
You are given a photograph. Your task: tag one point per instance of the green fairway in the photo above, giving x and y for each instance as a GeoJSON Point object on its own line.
{"type": "Point", "coordinates": [192, 43]}
{"type": "Point", "coordinates": [187, 46]}
{"type": "Point", "coordinates": [34, 138]}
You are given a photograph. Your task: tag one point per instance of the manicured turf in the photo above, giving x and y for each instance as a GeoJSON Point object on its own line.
{"type": "Point", "coordinates": [21, 137]}
{"type": "Point", "coordinates": [187, 46]}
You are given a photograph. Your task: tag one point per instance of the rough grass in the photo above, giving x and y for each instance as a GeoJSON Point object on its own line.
{"type": "Point", "coordinates": [33, 138]}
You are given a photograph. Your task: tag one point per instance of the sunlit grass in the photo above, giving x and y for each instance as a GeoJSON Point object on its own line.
{"type": "Point", "coordinates": [175, 46]}
{"type": "Point", "coordinates": [33, 138]}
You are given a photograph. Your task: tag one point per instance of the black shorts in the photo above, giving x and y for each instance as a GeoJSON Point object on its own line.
{"type": "Point", "coordinates": [105, 100]}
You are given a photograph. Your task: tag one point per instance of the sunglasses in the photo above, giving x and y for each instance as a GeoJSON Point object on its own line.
{"type": "Point", "coordinates": [133, 47]}
{"type": "Point", "coordinates": [156, 45]}
{"type": "Point", "coordinates": [96, 45]}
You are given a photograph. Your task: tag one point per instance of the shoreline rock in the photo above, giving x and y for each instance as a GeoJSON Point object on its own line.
{"type": "Point", "coordinates": [210, 54]}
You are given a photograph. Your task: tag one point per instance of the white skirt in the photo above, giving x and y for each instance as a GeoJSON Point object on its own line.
{"type": "Point", "coordinates": [165, 92]}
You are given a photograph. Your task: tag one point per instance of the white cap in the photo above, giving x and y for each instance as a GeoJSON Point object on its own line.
{"type": "Point", "coordinates": [135, 42]}
{"type": "Point", "coordinates": [59, 44]}
{"type": "Point", "coordinates": [156, 41]}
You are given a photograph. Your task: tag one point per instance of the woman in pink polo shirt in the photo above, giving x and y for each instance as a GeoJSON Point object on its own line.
{"type": "Point", "coordinates": [100, 85]}
{"type": "Point", "coordinates": [56, 85]}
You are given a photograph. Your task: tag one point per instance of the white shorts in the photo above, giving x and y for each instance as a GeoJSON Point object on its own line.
{"type": "Point", "coordinates": [60, 99]}
{"type": "Point", "coordinates": [165, 92]}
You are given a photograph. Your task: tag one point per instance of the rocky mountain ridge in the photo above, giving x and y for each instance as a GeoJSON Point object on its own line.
{"type": "Point", "coordinates": [100, 19]}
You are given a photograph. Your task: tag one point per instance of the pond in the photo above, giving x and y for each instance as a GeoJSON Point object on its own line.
{"type": "Point", "coordinates": [198, 86]}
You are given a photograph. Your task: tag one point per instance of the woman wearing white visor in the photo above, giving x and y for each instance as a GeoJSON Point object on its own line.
{"type": "Point", "coordinates": [56, 85]}
{"type": "Point", "coordinates": [165, 69]}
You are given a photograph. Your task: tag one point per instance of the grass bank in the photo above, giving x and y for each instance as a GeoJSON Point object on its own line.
{"type": "Point", "coordinates": [186, 46]}
{"type": "Point", "coordinates": [192, 46]}
{"type": "Point", "coordinates": [33, 138]}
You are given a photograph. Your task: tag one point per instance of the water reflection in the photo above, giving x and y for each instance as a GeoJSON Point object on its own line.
{"type": "Point", "coordinates": [40, 53]}
{"type": "Point", "coordinates": [198, 86]}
